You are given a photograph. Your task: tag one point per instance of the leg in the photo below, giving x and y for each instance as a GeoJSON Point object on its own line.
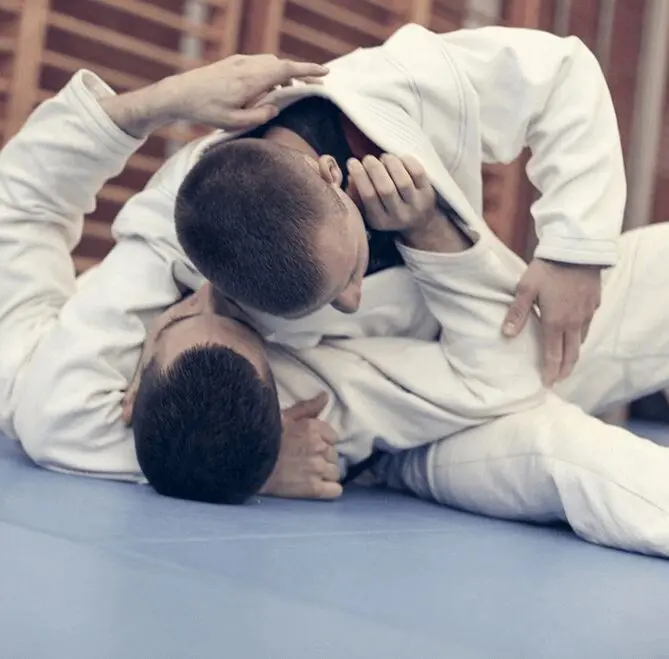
{"type": "Point", "coordinates": [626, 354]}
{"type": "Point", "coordinates": [552, 463]}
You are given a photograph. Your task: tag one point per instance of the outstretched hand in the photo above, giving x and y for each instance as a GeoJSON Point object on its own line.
{"type": "Point", "coordinates": [231, 93]}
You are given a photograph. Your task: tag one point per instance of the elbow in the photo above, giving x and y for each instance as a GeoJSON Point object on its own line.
{"type": "Point", "coordinates": [77, 434]}
{"type": "Point", "coordinates": [38, 430]}
{"type": "Point", "coordinates": [54, 427]}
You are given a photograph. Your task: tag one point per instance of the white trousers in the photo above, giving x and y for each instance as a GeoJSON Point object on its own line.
{"type": "Point", "coordinates": [556, 462]}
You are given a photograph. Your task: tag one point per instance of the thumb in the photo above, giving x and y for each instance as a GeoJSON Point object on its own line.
{"type": "Point", "coordinates": [128, 405]}
{"type": "Point", "coordinates": [307, 409]}
{"type": "Point", "coordinates": [519, 311]}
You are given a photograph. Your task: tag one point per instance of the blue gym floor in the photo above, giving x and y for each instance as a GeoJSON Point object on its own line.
{"type": "Point", "coordinates": [98, 570]}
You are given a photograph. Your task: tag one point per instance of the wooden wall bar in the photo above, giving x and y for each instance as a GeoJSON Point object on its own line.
{"type": "Point", "coordinates": [133, 42]}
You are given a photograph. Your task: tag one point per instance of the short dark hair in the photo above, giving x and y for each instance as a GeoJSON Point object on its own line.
{"type": "Point", "coordinates": [207, 428]}
{"type": "Point", "coordinates": [246, 215]}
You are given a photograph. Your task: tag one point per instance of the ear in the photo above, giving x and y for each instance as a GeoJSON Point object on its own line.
{"type": "Point", "coordinates": [329, 171]}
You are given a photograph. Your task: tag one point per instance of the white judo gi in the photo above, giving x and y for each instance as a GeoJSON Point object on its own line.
{"type": "Point", "coordinates": [67, 355]}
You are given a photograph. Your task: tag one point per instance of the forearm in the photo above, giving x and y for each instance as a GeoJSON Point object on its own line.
{"type": "Point", "coordinates": [468, 291]}
{"type": "Point", "coordinates": [440, 234]}
{"type": "Point", "coordinates": [141, 112]}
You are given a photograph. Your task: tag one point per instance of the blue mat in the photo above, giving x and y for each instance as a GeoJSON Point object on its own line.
{"type": "Point", "coordinates": [98, 570]}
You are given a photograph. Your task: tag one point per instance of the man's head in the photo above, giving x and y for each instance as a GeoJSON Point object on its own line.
{"type": "Point", "coordinates": [204, 408]}
{"type": "Point", "coordinates": [271, 226]}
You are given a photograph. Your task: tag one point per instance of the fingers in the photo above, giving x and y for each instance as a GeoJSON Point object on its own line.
{"type": "Point", "coordinates": [572, 346]}
{"type": "Point", "coordinates": [331, 454]}
{"type": "Point", "coordinates": [248, 117]}
{"type": "Point", "coordinates": [292, 69]}
{"type": "Point", "coordinates": [327, 485]}
{"type": "Point", "coordinates": [585, 328]}
{"type": "Point", "coordinates": [308, 80]}
{"type": "Point", "coordinates": [271, 72]}
{"type": "Point", "coordinates": [400, 177]}
{"type": "Point", "coordinates": [553, 350]}
{"type": "Point", "coordinates": [127, 408]}
{"type": "Point", "coordinates": [325, 431]}
{"type": "Point", "coordinates": [519, 311]}
{"type": "Point", "coordinates": [128, 402]}
{"type": "Point", "coordinates": [331, 472]}
{"type": "Point", "coordinates": [416, 171]}
{"type": "Point", "coordinates": [384, 185]}
{"type": "Point", "coordinates": [366, 192]}
{"type": "Point", "coordinates": [329, 491]}
{"type": "Point", "coordinates": [308, 408]}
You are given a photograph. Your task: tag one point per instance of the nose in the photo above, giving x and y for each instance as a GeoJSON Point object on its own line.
{"type": "Point", "coordinates": [348, 301]}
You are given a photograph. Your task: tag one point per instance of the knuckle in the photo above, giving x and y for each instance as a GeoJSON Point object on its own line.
{"type": "Point", "coordinates": [515, 312]}
{"type": "Point", "coordinates": [570, 361]}
{"type": "Point", "coordinates": [316, 464]}
{"type": "Point", "coordinates": [404, 216]}
{"type": "Point", "coordinates": [314, 486]}
{"type": "Point", "coordinates": [524, 288]}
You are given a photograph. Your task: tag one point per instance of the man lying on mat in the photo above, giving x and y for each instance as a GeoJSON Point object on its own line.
{"type": "Point", "coordinates": [548, 462]}
{"type": "Point", "coordinates": [449, 100]}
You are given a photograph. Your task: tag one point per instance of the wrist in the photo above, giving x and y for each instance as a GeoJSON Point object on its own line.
{"type": "Point", "coordinates": [141, 112]}
{"type": "Point", "coordinates": [436, 233]}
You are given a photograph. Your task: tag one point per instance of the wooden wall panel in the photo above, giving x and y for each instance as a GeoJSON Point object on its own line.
{"type": "Point", "coordinates": [129, 43]}
{"type": "Point", "coordinates": [133, 42]}
{"type": "Point", "coordinates": [623, 67]}
{"type": "Point", "coordinates": [319, 30]}
{"type": "Point", "coordinates": [661, 197]}
{"type": "Point", "coordinates": [10, 17]}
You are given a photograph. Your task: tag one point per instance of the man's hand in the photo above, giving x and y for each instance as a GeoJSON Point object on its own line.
{"type": "Point", "coordinates": [567, 296]}
{"type": "Point", "coordinates": [397, 196]}
{"type": "Point", "coordinates": [308, 464]}
{"type": "Point", "coordinates": [396, 193]}
{"type": "Point", "coordinates": [228, 94]}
